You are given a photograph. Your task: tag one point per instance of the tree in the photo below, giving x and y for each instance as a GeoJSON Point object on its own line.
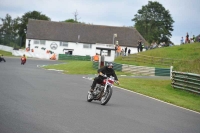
{"type": "Point", "coordinates": [9, 26]}
{"type": "Point", "coordinates": [71, 21]}
{"type": "Point", "coordinates": [75, 20]}
{"type": "Point", "coordinates": [154, 22]}
{"type": "Point", "coordinates": [24, 21]}
{"type": "Point", "coordinates": [9, 32]}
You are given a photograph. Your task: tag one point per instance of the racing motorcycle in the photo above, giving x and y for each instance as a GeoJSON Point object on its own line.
{"type": "Point", "coordinates": [2, 59]}
{"type": "Point", "coordinates": [103, 91]}
{"type": "Point", "coordinates": [23, 61]}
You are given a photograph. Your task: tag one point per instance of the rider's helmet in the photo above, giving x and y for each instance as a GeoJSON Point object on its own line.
{"type": "Point", "coordinates": [110, 64]}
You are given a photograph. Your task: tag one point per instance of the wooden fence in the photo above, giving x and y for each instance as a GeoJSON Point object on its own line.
{"type": "Point", "coordinates": [186, 81]}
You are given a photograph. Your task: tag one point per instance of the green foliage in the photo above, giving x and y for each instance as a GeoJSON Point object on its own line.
{"type": "Point", "coordinates": [71, 21]}
{"type": "Point", "coordinates": [9, 26]}
{"type": "Point", "coordinates": [22, 27]}
{"type": "Point", "coordinates": [154, 22]}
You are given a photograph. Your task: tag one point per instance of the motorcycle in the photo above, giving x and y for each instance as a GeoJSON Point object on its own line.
{"type": "Point", "coordinates": [103, 91]}
{"type": "Point", "coordinates": [2, 59]}
{"type": "Point", "coordinates": [23, 61]}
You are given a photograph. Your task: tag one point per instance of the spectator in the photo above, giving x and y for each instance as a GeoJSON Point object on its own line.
{"type": "Point", "coordinates": [187, 38]}
{"type": "Point", "coordinates": [182, 42]}
{"type": "Point", "coordinates": [96, 57]}
{"type": "Point", "coordinates": [199, 38]}
{"type": "Point", "coordinates": [118, 50]}
{"type": "Point", "coordinates": [125, 51]}
{"type": "Point", "coordinates": [138, 46]}
{"type": "Point", "coordinates": [141, 46]}
{"type": "Point", "coordinates": [129, 51]}
{"type": "Point", "coordinates": [194, 38]}
{"type": "Point", "coordinates": [191, 40]}
{"type": "Point", "coordinates": [122, 52]}
{"type": "Point", "coordinates": [115, 50]}
{"type": "Point", "coordinates": [154, 45]}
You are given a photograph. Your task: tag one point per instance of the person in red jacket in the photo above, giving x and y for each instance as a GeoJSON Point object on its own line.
{"type": "Point", "coordinates": [23, 59]}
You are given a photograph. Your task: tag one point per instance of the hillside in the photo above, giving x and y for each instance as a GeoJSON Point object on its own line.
{"type": "Point", "coordinates": [189, 54]}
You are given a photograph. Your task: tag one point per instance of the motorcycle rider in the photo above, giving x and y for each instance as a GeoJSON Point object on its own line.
{"type": "Point", "coordinates": [23, 59]}
{"type": "Point", "coordinates": [108, 70]}
{"type": "Point", "coordinates": [2, 59]}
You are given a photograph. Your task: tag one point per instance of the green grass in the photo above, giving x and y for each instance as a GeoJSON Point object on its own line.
{"type": "Point", "coordinates": [188, 53]}
{"type": "Point", "coordinates": [156, 88]}
{"type": "Point", "coordinates": [183, 52]}
{"type": "Point", "coordinates": [161, 89]}
{"type": "Point", "coordinates": [78, 67]}
{"type": "Point", "coordinates": [4, 53]}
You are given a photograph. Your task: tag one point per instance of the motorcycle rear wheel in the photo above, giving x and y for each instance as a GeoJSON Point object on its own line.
{"type": "Point", "coordinates": [106, 97]}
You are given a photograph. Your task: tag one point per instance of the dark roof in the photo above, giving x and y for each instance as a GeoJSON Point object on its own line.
{"type": "Point", "coordinates": [69, 32]}
{"type": "Point", "coordinates": [104, 48]}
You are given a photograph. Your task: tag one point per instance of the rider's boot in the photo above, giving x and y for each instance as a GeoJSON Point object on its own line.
{"type": "Point", "coordinates": [91, 90]}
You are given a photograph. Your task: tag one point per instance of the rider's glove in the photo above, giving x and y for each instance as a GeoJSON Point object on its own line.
{"type": "Point", "coordinates": [101, 73]}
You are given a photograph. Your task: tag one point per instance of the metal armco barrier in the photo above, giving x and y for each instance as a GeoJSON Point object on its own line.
{"type": "Point", "coordinates": [186, 81]}
{"type": "Point", "coordinates": [138, 70]}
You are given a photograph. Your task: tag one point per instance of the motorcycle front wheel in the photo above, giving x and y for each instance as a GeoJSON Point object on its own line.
{"type": "Point", "coordinates": [106, 96]}
{"type": "Point", "coordinates": [89, 97]}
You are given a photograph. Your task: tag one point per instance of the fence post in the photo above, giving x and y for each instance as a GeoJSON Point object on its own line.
{"type": "Point", "coordinates": [171, 69]}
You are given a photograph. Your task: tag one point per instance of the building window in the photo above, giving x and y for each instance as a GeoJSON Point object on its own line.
{"type": "Point", "coordinates": [87, 45]}
{"type": "Point", "coordinates": [65, 44]}
{"type": "Point", "coordinates": [43, 42]}
{"type": "Point", "coordinates": [36, 41]}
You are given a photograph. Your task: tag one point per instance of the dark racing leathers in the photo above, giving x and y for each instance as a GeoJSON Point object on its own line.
{"type": "Point", "coordinates": [105, 70]}
{"type": "Point", "coordinates": [2, 59]}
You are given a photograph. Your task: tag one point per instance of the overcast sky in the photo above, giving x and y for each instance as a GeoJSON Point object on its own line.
{"type": "Point", "coordinates": [185, 13]}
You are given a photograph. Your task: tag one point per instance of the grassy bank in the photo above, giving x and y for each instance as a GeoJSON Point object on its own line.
{"type": "Point", "coordinates": [189, 54]}
{"type": "Point", "coordinates": [4, 53]}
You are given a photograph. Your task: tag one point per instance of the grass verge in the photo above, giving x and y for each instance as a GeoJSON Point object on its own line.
{"type": "Point", "coordinates": [4, 53]}
{"type": "Point", "coordinates": [162, 90]}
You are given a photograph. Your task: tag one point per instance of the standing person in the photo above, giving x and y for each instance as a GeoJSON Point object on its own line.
{"type": "Point", "coordinates": [194, 38]}
{"type": "Point", "coordinates": [141, 47]}
{"type": "Point", "coordinates": [182, 40]}
{"type": "Point", "coordinates": [115, 50]}
{"type": "Point", "coordinates": [122, 52]}
{"type": "Point", "coordinates": [187, 38]}
{"type": "Point", "coordinates": [125, 51]}
{"type": "Point", "coordinates": [96, 57]}
{"type": "Point", "coordinates": [129, 51]}
{"type": "Point", "coordinates": [108, 70]}
{"type": "Point", "coordinates": [199, 38]}
{"type": "Point", "coordinates": [138, 46]}
{"type": "Point", "coordinates": [118, 50]}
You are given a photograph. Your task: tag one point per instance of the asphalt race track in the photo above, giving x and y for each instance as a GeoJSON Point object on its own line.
{"type": "Point", "coordinates": [35, 100]}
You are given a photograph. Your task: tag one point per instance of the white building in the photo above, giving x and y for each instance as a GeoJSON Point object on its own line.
{"type": "Point", "coordinates": [80, 39]}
